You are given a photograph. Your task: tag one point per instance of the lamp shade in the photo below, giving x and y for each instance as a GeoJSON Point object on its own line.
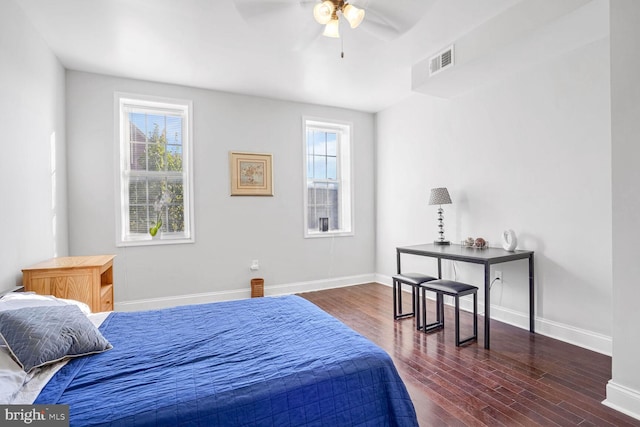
{"type": "Point", "coordinates": [439, 196]}
{"type": "Point", "coordinates": [353, 15]}
{"type": "Point", "coordinates": [332, 29]}
{"type": "Point", "coordinates": [323, 12]}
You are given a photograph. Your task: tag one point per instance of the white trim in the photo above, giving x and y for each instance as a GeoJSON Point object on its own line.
{"type": "Point", "coordinates": [581, 337]}
{"type": "Point", "coordinates": [269, 290]}
{"type": "Point", "coordinates": [623, 399]}
{"type": "Point", "coordinates": [322, 234]}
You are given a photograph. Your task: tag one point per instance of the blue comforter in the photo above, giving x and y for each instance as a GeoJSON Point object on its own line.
{"type": "Point", "coordinates": [258, 362]}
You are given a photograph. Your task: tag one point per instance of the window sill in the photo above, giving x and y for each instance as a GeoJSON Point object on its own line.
{"type": "Point", "coordinates": [149, 241]}
{"type": "Point", "coordinates": [321, 234]}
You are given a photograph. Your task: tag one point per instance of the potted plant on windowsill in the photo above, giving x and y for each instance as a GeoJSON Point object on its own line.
{"type": "Point", "coordinates": [161, 203]}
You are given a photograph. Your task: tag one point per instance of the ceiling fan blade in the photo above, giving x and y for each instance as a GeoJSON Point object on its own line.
{"type": "Point", "coordinates": [378, 26]}
{"type": "Point", "coordinates": [287, 2]}
{"type": "Point", "coordinates": [388, 20]}
{"type": "Point", "coordinates": [253, 9]}
{"type": "Point", "coordinates": [309, 34]}
{"type": "Point", "coordinates": [250, 11]}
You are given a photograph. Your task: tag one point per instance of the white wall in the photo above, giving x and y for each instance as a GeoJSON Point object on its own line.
{"type": "Point", "coordinates": [32, 164]}
{"type": "Point", "coordinates": [230, 231]}
{"type": "Point", "coordinates": [623, 391]}
{"type": "Point", "coordinates": [531, 153]}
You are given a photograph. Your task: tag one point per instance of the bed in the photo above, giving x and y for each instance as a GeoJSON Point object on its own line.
{"type": "Point", "coordinates": [278, 361]}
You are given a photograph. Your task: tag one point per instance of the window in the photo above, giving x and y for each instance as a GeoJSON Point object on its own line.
{"type": "Point", "coordinates": [154, 176]}
{"type": "Point", "coordinates": [327, 157]}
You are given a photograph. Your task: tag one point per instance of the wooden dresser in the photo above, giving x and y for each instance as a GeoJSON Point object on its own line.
{"type": "Point", "coordinates": [83, 278]}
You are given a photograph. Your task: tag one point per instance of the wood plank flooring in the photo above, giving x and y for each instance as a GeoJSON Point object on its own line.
{"type": "Point", "coordinates": [523, 380]}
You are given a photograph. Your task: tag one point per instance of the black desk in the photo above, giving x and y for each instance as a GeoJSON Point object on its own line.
{"type": "Point", "coordinates": [487, 257]}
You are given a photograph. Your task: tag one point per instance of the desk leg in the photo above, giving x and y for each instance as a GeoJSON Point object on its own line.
{"type": "Point", "coordinates": [439, 268]}
{"type": "Point", "coordinates": [532, 315]}
{"type": "Point", "coordinates": [487, 304]}
{"type": "Point", "coordinates": [397, 261]}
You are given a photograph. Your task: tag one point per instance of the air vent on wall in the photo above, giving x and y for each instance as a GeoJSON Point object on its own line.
{"type": "Point", "coordinates": [441, 61]}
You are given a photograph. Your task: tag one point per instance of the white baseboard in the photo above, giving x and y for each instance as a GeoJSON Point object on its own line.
{"type": "Point", "coordinates": [582, 338]}
{"type": "Point", "coordinates": [623, 399]}
{"type": "Point", "coordinates": [269, 290]}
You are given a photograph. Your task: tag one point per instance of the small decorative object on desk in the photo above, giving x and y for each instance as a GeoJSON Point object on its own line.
{"type": "Point", "coordinates": [509, 240]}
{"type": "Point", "coordinates": [478, 243]}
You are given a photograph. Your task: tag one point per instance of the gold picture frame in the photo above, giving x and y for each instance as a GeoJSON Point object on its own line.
{"type": "Point", "coordinates": [251, 174]}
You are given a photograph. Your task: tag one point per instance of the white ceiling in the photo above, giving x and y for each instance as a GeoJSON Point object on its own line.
{"type": "Point", "coordinates": [278, 54]}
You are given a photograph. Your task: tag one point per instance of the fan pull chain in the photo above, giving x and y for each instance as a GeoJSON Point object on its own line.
{"type": "Point", "coordinates": [342, 47]}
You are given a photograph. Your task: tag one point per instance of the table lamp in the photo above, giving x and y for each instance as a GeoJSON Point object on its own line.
{"type": "Point", "coordinates": [440, 196]}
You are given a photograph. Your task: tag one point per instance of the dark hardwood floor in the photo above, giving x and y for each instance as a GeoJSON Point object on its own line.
{"type": "Point", "coordinates": [524, 379]}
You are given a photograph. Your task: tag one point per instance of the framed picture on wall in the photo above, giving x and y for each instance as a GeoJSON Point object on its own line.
{"type": "Point", "coordinates": [251, 174]}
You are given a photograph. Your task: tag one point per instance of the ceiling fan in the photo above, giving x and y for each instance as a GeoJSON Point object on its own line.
{"type": "Point", "coordinates": [326, 13]}
{"type": "Point", "coordinates": [383, 19]}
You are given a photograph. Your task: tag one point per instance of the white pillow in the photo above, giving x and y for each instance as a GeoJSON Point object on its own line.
{"type": "Point", "coordinates": [12, 377]}
{"type": "Point", "coordinates": [15, 300]}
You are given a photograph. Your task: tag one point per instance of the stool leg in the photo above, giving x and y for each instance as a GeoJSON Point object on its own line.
{"type": "Point", "coordinates": [457, 320]}
{"type": "Point", "coordinates": [440, 308]}
{"type": "Point", "coordinates": [473, 337]}
{"type": "Point", "coordinates": [424, 309]}
{"type": "Point", "coordinates": [397, 300]}
{"type": "Point", "coordinates": [416, 308]}
{"type": "Point", "coordinates": [395, 303]}
{"type": "Point", "coordinates": [475, 315]}
{"type": "Point", "coordinates": [439, 322]}
{"type": "Point", "coordinates": [414, 289]}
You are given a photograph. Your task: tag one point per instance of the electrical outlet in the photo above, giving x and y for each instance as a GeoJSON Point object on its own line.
{"type": "Point", "coordinates": [255, 265]}
{"type": "Point", "coordinates": [498, 275]}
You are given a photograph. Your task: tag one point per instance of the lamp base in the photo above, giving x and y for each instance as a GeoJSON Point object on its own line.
{"type": "Point", "coordinates": [441, 242]}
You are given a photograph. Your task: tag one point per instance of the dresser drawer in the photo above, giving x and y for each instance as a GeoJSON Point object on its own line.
{"type": "Point", "coordinates": [106, 298]}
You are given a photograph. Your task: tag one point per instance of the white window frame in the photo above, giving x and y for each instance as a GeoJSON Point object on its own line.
{"type": "Point", "coordinates": [344, 176]}
{"type": "Point", "coordinates": [156, 104]}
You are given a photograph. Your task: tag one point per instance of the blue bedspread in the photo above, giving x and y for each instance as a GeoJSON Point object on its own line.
{"type": "Point", "coordinates": [258, 362]}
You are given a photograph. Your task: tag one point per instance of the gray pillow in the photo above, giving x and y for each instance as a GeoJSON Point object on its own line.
{"type": "Point", "coordinates": [37, 336]}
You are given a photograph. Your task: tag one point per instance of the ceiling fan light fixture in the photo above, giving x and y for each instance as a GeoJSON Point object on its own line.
{"type": "Point", "coordinates": [353, 15]}
{"type": "Point", "coordinates": [323, 12]}
{"type": "Point", "coordinates": [332, 29]}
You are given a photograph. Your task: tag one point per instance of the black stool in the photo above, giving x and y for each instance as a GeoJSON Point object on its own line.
{"type": "Point", "coordinates": [414, 280]}
{"type": "Point", "coordinates": [456, 290]}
